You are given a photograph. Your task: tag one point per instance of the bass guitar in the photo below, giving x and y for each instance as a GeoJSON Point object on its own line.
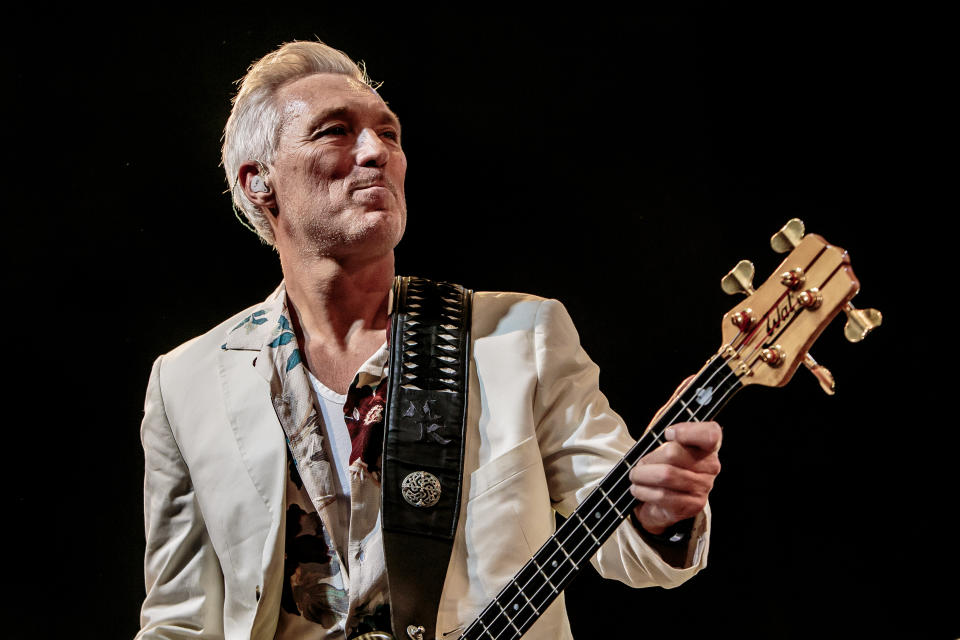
{"type": "Point", "coordinates": [766, 338]}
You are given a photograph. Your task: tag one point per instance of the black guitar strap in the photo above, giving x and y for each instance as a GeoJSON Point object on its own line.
{"type": "Point", "coordinates": [423, 446]}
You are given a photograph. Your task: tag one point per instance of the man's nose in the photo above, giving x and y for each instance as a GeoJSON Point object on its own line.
{"type": "Point", "coordinates": [371, 150]}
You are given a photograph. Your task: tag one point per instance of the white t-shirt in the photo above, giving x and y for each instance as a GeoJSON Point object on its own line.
{"type": "Point", "coordinates": [335, 431]}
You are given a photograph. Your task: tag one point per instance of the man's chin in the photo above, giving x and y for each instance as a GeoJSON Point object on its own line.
{"type": "Point", "coordinates": [380, 232]}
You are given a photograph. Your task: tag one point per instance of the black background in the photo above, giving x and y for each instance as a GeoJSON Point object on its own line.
{"type": "Point", "coordinates": [619, 162]}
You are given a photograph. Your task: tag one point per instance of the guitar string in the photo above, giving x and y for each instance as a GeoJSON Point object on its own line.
{"type": "Point", "coordinates": [656, 440]}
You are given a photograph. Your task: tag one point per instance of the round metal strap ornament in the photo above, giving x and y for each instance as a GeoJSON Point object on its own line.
{"type": "Point", "coordinates": [421, 489]}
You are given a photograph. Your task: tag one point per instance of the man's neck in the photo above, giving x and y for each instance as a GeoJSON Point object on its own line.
{"type": "Point", "coordinates": [339, 310]}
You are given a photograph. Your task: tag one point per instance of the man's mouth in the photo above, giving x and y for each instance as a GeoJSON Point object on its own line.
{"type": "Point", "coordinates": [371, 184]}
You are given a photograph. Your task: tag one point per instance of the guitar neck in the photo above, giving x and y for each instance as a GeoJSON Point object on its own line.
{"type": "Point", "coordinates": [561, 557]}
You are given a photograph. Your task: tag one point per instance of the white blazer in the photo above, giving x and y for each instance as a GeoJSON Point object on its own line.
{"type": "Point", "coordinates": [540, 436]}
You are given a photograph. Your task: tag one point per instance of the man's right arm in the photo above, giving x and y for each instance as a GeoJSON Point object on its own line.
{"type": "Point", "coordinates": [182, 575]}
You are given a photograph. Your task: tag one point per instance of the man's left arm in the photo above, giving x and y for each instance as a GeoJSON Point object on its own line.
{"type": "Point", "coordinates": [581, 438]}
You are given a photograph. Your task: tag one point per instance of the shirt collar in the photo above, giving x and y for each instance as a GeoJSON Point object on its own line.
{"type": "Point", "coordinates": [374, 369]}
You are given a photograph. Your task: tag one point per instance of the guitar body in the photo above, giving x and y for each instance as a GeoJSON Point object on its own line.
{"type": "Point", "coordinates": [765, 339]}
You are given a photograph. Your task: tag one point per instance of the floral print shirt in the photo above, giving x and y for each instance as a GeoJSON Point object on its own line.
{"type": "Point", "coordinates": [326, 595]}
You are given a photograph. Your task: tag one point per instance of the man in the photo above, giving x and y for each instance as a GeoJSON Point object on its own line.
{"type": "Point", "coordinates": [262, 437]}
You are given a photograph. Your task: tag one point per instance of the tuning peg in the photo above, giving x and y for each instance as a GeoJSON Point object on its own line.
{"type": "Point", "coordinates": [739, 279]}
{"type": "Point", "coordinates": [822, 374]}
{"type": "Point", "coordinates": [860, 322]}
{"type": "Point", "coordinates": [788, 237]}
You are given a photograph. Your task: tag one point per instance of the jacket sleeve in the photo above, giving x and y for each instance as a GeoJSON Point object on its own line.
{"type": "Point", "coordinates": [580, 439]}
{"type": "Point", "coordinates": [182, 575]}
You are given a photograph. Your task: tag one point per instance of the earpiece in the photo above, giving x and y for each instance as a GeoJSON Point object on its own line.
{"type": "Point", "coordinates": [257, 185]}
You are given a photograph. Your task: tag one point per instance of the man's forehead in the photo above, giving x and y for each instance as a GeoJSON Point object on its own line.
{"type": "Point", "coordinates": [319, 93]}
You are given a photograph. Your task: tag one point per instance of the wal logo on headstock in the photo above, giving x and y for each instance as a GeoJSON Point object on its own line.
{"type": "Point", "coordinates": [769, 334]}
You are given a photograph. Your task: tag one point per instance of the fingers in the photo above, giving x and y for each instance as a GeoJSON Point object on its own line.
{"type": "Point", "coordinates": [669, 508]}
{"type": "Point", "coordinates": [669, 494]}
{"type": "Point", "coordinates": [686, 458]}
{"type": "Point", "coordinates": [669, 477]}
{"type": "Point", "coordinates": [705, 436]}
{"type": "Point", "coordinates": [653, 518]}
{"type": "Point", "coordinates": [674, 481]}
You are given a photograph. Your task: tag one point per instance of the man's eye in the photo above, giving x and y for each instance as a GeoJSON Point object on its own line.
{"type": "Point", "coordinates": [336, 130]}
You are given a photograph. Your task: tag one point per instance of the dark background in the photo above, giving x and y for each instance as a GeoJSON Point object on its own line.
{"type": "Point", "coordinates": [621, 163]}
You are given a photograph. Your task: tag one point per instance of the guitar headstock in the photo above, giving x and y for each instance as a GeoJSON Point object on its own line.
{"type": "Point", "coordinates": [768, 335]}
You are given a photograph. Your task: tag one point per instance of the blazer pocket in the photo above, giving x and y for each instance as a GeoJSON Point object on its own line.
{"type": "Point", "coordinates": [504, 467]}
{"type": "Point", "coordinates": [508, 511]}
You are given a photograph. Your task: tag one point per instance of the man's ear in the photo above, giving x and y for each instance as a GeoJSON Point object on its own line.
{"type": "Point", "coordinates": [252, 178]}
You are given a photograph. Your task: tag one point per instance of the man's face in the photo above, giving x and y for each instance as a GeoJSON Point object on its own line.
{"type": "Point", "coordinates": [339, 170]}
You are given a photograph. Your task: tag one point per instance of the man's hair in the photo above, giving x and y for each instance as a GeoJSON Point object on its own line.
{"type": "Point", "coordinates": [253, 129]}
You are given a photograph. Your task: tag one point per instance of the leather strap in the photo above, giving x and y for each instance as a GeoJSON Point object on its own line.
{"type": "Point", "coordinates": [423, 445]}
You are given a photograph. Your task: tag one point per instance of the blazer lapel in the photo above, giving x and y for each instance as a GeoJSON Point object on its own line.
{"type": "Point", "coordinates": [268, 332]}
{"type": "Point", "coordinates": [250, 387]}
{"type": "Point", "coordinates": [264, 341]}
{"type": "Point", "coordinates": [252, 420]}
{"type": "Point", "coordinates": [281, 364]}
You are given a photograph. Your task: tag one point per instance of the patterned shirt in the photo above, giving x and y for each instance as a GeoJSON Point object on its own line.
{"type": "Point", "coordinates": [327, 594]}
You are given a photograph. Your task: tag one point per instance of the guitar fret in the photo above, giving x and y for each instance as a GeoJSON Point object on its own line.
{"type": "Point", "coordinates": [606, 497]}
{"type": "Point", "coordinates": [549, 551]}
{"type": "Point", "coordinates": [570, 536]}
{"type": "Point", "coordinates": [545, 577]}
{"type": "Point", "coordinates": [535, 610]}
{"type": "Point", "coordinates": [494, 623]}
{"type": "Point", "coordinates": [629, 501]}
{"type": "Point", "coordinates": [509, 619]}
{"type": "Point", "coordinates": [485, 630]}
{"type": "Point", "coordinates": [514, 604]}
{"type": "Point", "coordinates": [589, 532]}
{"type": "Point", "coordinates": [620, 487]}
{"type": "Point", "coordinates": [532, 582]}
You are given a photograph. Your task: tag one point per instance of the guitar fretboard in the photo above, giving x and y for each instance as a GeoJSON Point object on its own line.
{"type": "Point", "coordinates": [561, 557]}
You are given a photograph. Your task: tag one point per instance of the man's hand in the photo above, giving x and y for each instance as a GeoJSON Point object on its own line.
{"type": "Point", "coordinates": [674, 480]}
